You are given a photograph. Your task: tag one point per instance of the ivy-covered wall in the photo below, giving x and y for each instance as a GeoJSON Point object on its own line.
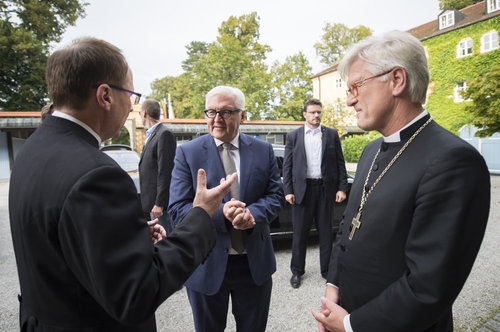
{"type": "Point", "coordinates": [447, 70]}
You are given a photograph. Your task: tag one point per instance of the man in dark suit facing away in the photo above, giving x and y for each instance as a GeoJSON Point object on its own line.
{"type": "Point", "coordinates": [84, 253]}
{"type": "Point", "coordinates": [314, 177]}
{"type": "Point", "coordinates": [156, 164]}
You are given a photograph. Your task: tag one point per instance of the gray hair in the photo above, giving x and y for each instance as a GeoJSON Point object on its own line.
{"type": "Point", "coordinates": [389, 50]}
{"type": "Point", "coordinates": [239, 97]}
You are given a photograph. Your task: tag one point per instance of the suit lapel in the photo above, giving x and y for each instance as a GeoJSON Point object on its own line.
{"type": "Point", "coordinates": [323, 141]}
{"type": "Point", "coordinates": [214, 167]}
{"type": "Point", "coordinates": [246, 163]}
{"type": "Point", "coordinates": [149, 141]}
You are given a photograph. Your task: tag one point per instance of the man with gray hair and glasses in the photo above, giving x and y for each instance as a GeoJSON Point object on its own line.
{"type": "Point", "coordinates": [418, 207]}
{"type": "Point", "coordinates": [242, 263]}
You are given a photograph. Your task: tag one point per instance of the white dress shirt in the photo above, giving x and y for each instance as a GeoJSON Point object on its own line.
{"type": "Point", "coordinates": [314, 149]}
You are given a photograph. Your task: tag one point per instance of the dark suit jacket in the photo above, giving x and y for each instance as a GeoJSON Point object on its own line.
{"type": "Point", "coordinates": [295, 164]}
{"type": "Point", "coordinates": [83, 250]}
{"type": "Point", "coordinates": [260, 188]}
{"type": "Point", "coordinates": [155, 168]}
{"type": "Point", "coordinates": [421, 229]}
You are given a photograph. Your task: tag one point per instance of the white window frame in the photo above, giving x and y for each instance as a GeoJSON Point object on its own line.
{"type": "Point", "coordinates": [338, 83]}
{"type": "Point", "coordinates": [465, 47]}
{"type": "Point", "coordinates": [447, 19]}
{"type": "Point", "coordinates": [489, 41]}
{"type": "Point", "coordinates": [492, 5]}
{"type": "Point", "coordinates": [461, 86]}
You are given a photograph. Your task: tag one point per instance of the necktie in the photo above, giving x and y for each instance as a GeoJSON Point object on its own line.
{"type": "Point", "coordinates": [230, 168]}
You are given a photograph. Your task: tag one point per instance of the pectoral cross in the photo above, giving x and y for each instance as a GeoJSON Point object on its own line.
{"type": "Point", "coordinates": [355, 224]}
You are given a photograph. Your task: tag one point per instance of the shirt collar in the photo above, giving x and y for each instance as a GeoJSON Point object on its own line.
{"type": "Point", "coordinates": [396, 137]}
{"type": "Point", "coordinates": [311, 130]}
{"type": "Point", "coordinates": [66, 116]}
{"type": "Point", "coordinates": [150, 130]}
{"type": "Point", "coordinates": [235, 142]}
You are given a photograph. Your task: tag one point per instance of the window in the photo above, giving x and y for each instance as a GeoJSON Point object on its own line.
{"type": "Point", "coordinates": [338, 110]}
{"type": "Point", "coordinates": [464, 48]}
{"type": "Point", "coordinates": [338, 82]}
{"type": "Point", "coordinates": [493, 5]}
{"type": "Point", "coordinates": [459, 88]}
{"type": "Point", "coordinates": [447, 19]}
{"type": "Point", "coordinates": [489, 41]}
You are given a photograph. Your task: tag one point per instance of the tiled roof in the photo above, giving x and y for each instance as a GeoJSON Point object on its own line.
{"type": "Point", "coordinates": [473, 14]}
{"type": "Point", "coordinates": [326, 71]}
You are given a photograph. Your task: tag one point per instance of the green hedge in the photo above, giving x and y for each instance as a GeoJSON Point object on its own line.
{"type": "Point", "coordinates": [352, 146]}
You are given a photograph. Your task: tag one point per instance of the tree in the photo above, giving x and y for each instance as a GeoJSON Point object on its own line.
{"type": "Point", "coordinates": [291, 88]}
{"type": "Point", "coordinates": [195, 50]}
{"type": "Point", "coordinates": [26, 30]}
{"type": "Point", "coordinates": [336, 39]}
{"type": "Point", "coordinates": [456, 4]}
{"type": "Point", "coordinates": [485, 108]}
{"type": "Point", "coordinates": [236, 59]}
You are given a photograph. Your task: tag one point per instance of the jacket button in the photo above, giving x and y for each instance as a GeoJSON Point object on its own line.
{"type": "Point", "coordinates": [342, 247]}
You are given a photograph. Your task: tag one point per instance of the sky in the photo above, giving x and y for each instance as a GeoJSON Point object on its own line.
{"type": "Point", "coordinates": [153, 33]}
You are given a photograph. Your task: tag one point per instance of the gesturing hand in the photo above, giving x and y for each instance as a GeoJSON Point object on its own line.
{"type": "Point", "coordinates": [210, 199]}
{"type": "Point", "coordinates": [156, 231]}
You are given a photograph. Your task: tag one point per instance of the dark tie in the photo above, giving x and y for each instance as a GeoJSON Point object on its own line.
{"type": "Point", "coordinates": [230, 168]}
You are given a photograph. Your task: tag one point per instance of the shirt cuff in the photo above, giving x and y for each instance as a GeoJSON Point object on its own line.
{"type": "Point", "coordinates": [347, 323]}
{"type": "Point", "coordinates": [329, 283]}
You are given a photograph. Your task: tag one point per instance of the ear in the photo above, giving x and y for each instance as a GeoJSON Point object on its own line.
{"type": "Point", "coordinates": [399, 81]}
{"type": "Point", "coordinates": [242, 116]}
{"type": "Point", "coordinates": [104, 96]}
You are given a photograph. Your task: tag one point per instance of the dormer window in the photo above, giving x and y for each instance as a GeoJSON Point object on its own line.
{"type": "Point", "coordinates": [489, 41]}
{"type": "Point", "coordinates": [464, 48]}
{"type": "Point", "coordinates": [446, 19]}
{"type": "Point", "coordinates": [492, 5]}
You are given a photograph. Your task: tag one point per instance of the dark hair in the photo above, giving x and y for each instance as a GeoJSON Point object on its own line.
{"type": "Point", "coordinates": [74, 71]}
{"type": "Point", "coordinates": [152, 108]}
{"type": "Point", "coordinates": [312, 101]}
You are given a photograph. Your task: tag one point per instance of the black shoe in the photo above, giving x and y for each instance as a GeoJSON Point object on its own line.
{"type": "Point", "coordinates": [295, 281]}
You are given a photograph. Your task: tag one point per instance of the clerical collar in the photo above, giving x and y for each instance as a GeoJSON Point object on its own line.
{"type": "Point", "coordinates": [68, 117]}
{"type": "Point", "coordinates": [400, 134]}
{"type": "Point", "coordinates": [235, 142]}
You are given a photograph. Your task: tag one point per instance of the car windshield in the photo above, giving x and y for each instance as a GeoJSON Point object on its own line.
{"type": "Point", "coordinates": [128, 160]}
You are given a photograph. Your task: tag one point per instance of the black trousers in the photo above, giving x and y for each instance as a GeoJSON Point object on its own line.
{"type": "Point", "coordinates": [314, 207]}
{"type": "Point", "coordinates": [250, 302]}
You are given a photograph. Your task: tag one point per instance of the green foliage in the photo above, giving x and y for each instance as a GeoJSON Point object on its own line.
{"type": "Point", "coordinates": [353, 146]}
{"type": "Point", "coordinates": [336, 39]}
{"type": "Point", "coordinates": [456, 4]}
{"type": "Point", "coordinates": [26, 30]}
{"type": "Point", "coordinates": [447, 70]}
{"type": "Point", "coordinates": [485, 108]}
{"type": "Point", "coordinates": [291, 88]}
{"type": "Point", "coordinates": [235, 59]}
{"type": "Point", "coordinates": [195, 51]}
{"type": "Point", "coordinates": [123, 138]}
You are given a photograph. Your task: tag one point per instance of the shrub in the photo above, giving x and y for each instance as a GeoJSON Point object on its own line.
{"type": "Point", "coordinates": [353, 146]}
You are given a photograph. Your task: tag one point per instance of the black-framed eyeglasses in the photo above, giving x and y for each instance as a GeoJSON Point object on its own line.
{"type": "Point", "coordinates": [225, 114]}
{"type": "Point", "coordinates": [353, 88]}
{"type": "Point", "coordinates": [137, 95]}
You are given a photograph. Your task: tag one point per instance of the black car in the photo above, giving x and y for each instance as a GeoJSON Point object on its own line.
{"type": "Point", "coordinates": [281, 227]}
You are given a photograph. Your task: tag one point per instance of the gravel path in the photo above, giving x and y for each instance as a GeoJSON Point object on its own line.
{"type": "Point", "coordinates": [290, 308]}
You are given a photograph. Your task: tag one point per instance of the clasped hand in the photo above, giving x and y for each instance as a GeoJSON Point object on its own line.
{"type": "Point", "coordinates": [236, 212]}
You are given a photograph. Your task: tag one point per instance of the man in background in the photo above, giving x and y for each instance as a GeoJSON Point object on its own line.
{"type": "Point", "coordinates": [83, 248]}
{"type": "Point", "coordinates": [314, 177]}
{"type": "Point", "coordinates": [156, 164]}
{"type": "Point", "coordinates": [243, 261]}
{"type": "Point", "coordinates": [418, 207]}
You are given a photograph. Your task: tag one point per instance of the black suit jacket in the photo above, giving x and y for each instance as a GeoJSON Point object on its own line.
{"type": "Point", "coordinates": [295, 164]}
{"type": "Point", "coordinates": [155, 168]}
{"type": "Point", "coordinates": [83, 250]}
{"type": "Point", "coordinates": [421, 229]}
